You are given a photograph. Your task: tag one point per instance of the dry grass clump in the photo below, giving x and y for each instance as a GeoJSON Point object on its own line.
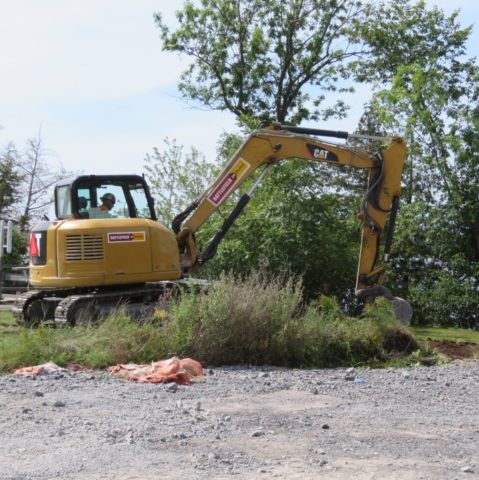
{"type": "Point", "coordinates": [248, 321]}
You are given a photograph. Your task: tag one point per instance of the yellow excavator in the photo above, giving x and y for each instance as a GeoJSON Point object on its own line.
{"type": "Point", "coordinates": [106, 247]}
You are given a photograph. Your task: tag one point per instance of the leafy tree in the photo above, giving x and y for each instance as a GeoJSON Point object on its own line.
{"type": "Point", "coordinates": [259, 58]}
{"type": "Point", "coordinates": [429, 91]}
{"type": "Point", "coordinates": [19, 250]}
{"type": "Point", "coordinates": [10, 193]}
{"type": "Point", "coordinates": [10, 181]}
{"type": "Point", "coordinates": [425, 88]}
{"type": "Point", "coordinates": [263, 61]}
{"type": "Point", "coordinates": [226, 146]}
{"type": "Point", "coordinates": [400, 33]}
{"type": "Point", "coordinates": [176, 180]}
{"type": "Point", "coordinates": [432, 266]}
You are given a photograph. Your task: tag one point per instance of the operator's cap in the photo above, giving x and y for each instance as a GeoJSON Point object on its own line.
{"type": "Point", "coordinates": [109, 196]}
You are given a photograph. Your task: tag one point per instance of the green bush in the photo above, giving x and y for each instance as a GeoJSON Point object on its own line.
{"type": "Point", "coordinates": [257, 320]}
{"type": "Point", "coordinates": [261, 320]}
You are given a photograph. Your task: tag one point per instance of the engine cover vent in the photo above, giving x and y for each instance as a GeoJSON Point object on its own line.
{"type": "Point", "coordinates": [84, 247]}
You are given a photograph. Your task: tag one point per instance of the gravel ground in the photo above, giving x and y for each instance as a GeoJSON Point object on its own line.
{"type": "Point", "coordinates": [245, 423]}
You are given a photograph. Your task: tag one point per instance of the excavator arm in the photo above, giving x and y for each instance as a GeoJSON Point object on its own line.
{"type": "Point", "coordinates": [265, 148]}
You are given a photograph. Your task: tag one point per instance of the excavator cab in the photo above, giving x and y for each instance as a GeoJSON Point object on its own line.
{"type": "Point", "coordinates": [90, 246]}
{"type": "Point", "coordinates": [81, 197]}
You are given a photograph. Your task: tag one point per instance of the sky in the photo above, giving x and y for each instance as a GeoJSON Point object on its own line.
{"type": "Point", "coordinates": [92, 78]}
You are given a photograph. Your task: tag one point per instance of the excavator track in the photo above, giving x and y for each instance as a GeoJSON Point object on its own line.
{"type": "Point", "coordinates": [31, 307]}
{"type": "Point", "coordinates": [72, 307]}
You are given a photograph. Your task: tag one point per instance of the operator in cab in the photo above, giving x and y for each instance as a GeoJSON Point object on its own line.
{"type": "Point", "coordinates": [109, 201]}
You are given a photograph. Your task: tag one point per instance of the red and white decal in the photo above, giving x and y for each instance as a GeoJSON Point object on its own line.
{"type": "Point", "coordinates": [228, 182]}
{"type": "Point", "coordinates": [126, 237]}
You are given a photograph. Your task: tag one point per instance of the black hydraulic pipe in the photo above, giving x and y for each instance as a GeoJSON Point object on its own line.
{"type": "Point", "coordinates": [315, 131]}
{"type": "Point", "coordinates": [210, 251]}
{"type": "Point", "coordinates": [392, 222]}
{"type": "Point", "coordinates": [177, 221]}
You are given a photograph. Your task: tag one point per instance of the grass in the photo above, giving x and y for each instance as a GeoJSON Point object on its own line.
{"type": "Point", "coordinates": [449, 334]}
{"type": "Point", "coordinates": [259, 320]}
{"type": "Point", "coordinates": [116, 340]}
{"type": "Point", "coordinates": [7, 324]}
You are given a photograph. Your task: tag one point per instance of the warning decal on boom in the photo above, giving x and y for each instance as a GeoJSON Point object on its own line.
{"type": "Point", "coordinates": [228, 182]}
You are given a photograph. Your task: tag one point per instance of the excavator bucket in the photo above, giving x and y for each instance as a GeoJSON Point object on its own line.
{"type": "Point", "coordinates": [402, 309]}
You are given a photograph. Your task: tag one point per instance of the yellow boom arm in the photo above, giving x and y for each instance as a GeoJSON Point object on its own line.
{"type": "Point", "coordinates": [270, 146]}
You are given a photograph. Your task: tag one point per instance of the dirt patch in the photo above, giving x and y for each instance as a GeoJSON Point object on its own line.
{"type": "Point", "coordinates": [455, 349]}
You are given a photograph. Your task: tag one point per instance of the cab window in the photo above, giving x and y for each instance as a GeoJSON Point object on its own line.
{"type": "Point", "coordinates": [63, 201]}
{"type": "Point", "coordinates": [112, 200]}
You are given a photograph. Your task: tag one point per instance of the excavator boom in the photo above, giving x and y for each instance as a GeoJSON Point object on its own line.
{"type": "Point", "coordinates": [271, 146]}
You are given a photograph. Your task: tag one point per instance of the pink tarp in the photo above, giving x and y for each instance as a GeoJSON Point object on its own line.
{"type": "Point", "coordinates": [172, 370]}
{"type": "Point", "coordinates": [46, 368]}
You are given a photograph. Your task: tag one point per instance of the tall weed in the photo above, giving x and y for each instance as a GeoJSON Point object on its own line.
{"type": "Point", "coordinates": [245, 321]}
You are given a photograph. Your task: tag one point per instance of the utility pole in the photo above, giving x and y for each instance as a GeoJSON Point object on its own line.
{"type": "Point", "coordinates": [5, 243]}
